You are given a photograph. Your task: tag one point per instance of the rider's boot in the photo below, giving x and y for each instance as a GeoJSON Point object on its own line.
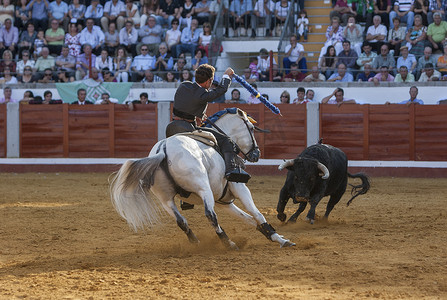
{"type": "Point", "coordinates": [232, 171]}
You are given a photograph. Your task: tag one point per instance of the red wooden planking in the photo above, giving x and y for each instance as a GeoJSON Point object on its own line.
{"type": "Point", "coordinates": [2, 130]}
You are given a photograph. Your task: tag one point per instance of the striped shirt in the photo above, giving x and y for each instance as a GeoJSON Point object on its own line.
{"type": "Point", "coordinates": [403, 5]}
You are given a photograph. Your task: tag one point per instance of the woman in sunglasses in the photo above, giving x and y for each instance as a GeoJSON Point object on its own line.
{"type": "Point", "coordinates": [27, 76]}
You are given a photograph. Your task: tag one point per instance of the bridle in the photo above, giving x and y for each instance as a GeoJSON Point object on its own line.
{"type": "Point", "coordinates": [254, 145]}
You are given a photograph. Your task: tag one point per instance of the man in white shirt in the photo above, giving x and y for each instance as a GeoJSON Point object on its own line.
{"type": "Point", "coordinates": [93, 36]}
{"type": "Point", "coordinates": [105, 99]}
{"type": "Point", "coordinates": [141, 63]}
{"type": "Point", "coordinates": [376, 34]}
{"type": "Point", "coordinates": [264, 64]}
{"type": "Point", "coordinates": [294, 54]}
{"type": "Point", "coordinates": [264, 10]}
{"type": "Point", "coordinates": [114, 11]}
{"type": "Point", "coordinates": [429, 73]}
{"type": "Point", "coordinates": [129, 37]}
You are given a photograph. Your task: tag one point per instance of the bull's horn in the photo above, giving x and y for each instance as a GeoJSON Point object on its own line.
{"type": "Point", "coordinates": [285, 164]}
{"type": "Point", "coordinates": [324, 170]}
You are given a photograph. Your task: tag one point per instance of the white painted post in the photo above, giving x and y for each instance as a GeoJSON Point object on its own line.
{"type": "Point", "coordinates": [164, 118]}
{"type": "Point", "coordinates": [12, 130]}
{"type": "Point", "coordinates": [313, 123]}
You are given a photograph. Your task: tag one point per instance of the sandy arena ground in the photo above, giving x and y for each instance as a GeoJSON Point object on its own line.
{"type": "Point", "coordinates": [60, 238]}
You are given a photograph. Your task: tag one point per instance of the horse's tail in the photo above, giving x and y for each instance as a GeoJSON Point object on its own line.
{"type": "Point", "coordinates": [129, 190]}
{"type": "Point", "coordinates": [360, 189]}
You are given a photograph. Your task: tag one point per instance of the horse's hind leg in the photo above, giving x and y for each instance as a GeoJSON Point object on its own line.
{"type": "Point", "coordinates": [171, 208]}
{"type": "Point", "coordinates": [208, 201]}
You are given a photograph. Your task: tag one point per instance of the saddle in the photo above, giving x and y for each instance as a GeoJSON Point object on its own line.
{"type": "Point", "coordinates": [202, 136]}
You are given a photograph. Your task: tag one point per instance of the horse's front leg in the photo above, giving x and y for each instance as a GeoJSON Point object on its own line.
{"type": "Point", "coordinates": [208, 201]}
{"type": "Point", "coordinates": [241, 191]}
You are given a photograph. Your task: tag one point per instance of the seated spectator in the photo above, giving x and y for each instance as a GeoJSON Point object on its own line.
{"type": "Point", "coordinates": [122, 63]}
{"type": "Point", "coordinates": [27, 37]}
{"type": "Point", "coordinates": [144, 99]}
{"type": "Point", "coordinates": [95, 75]}
{"type": "Point", "coordinates": [9, 37]}
{"type": "Point", "coordinates": [205, 38]}
{"type": "Point", "coordinates": [366, 74]}
{"type": "Point", "coordinates": [235, 97]}
{"type": "Point", "coordinates": [112, 38]}
{"type": "Point", "coordinates": [128, 38]}
{"type": "Point", "coordinates": [383, 8]}
{"type": "Point", "coordinates": [84, 62]}
{"type": "Point", "coordinates": [248, 76]}
{"type": "Point", "coordinates": [58, 10]}
{"type": "Point", "coordinates": [348, 57]}
{"type": "Point", "coordinates": [82, 94]}
{"type": "Point", "coordinates": [315, 76]}
{"type": "Point", "coordinates": [172, 37]}
{"type": "Point", "coordinates": [334, 37]}
{"type": "Point", "coordinates": [429, 73]}
{"type": "Point", "coordinates": [185, 13]}
{"type": "Point", "coordinates": [420, 7]}
{"type": "Point", "coordinates": [328, 62]}
{"type": "Point", "coordinates": [282, 8]}
{"type": "Point", "coordinates": [437, 32]}
{"type": "Point", "coordinates": [66, 62]}
{"type": "Point", "coordinates": [7, 96]}
{"type": "Point", "coordinates": [343, 11]}
{"type": "Point", "coordinates": [64, 77]}
{"type": "Point", "coordinates": [39, 43]}
{"type": "Point", "coordinates": [132, 13]}
{"type": "Point", "coordinates": [46, 61]}
{"type": "Point", "coordinates": [285, 97]}
{"type": "Point", "coordinates": [27, 76]}
{"type": "Point", "coordinates": [202, 11]}
{"type": "Point", "coordinates": [404, 75]}
{"type": "Point", "coordinates": [253, 66]}
{"type": "Point", "coordinates": [22, 15]}
{"type": "Point", "coordinates": [396, 36]}
{"type": "Point", "coordinates": [25, 62]}
{"type": "Point", "coordinates": [198, 59]}
{"type": "Point", "coordinates": [47, 76]}
{"type": "Point", "coordinates": [341, 75]}
{"type": "Point", "coordinates": [39, 12]}
{"type": "Point", "coordinates": [93, 36]}
{"type": "Point", "coordinates": [150, 35]}
{"type": "Point", "coordinates": [27, 96]}
{"type": "Point", "coordinates": [367, 57]}
{"type": "Point", "coordinates": [114, 11]}
{"type": "Point", "coordinates": [164, 61]}
{"type": "Point", "coordinates": [382, 76]}
{"type": "Point", "coordinates": [76, 13]}
{"type": "Point", "coordinates": [294, 54]}
{"type": "Point", "coordinates": [148, 8]}
{"type": "Point", "coordinates": [264, 65]}
{"type": "Point", "coordinates": [310, 94]}
{"type": "Point", "coordinates": [179, 66]}
{"type": "Point", "coordinates": [413, 97]}
{"type": "Point", "coordinates": [416, 37]}
{"type": "Point", "coordinates": [55, 37]}
{"type": "Point", "coordinates": [6, 11]}
{"type": "Point", "coordinates": [73, 40]}
{"type": "Point", "coordinates": [104, 61]}
{"type": "Point", "coordinates": [294, 75]}
{"type": "Point", "coordinates": [105, 99]}
{"type": "Point", "coordinates": [427, 58]}
{"type": "Point", "coordinates": [338, 99]}
{"type": "Point", "coordinates": [215, 10]}
{"type": "Point", "coordinates": [186, 75]}
{"type": "Point", "coordinates": [376, 34]}
{"type": "Point", "coordinates": [240, 16]}
{"type": "Point", "coordinates": [354, 34]}
{"type": "Point", "coordinates": [95, 11]}
{"type": "Point", "coordinates": [170, 77]}
{"type": "Point", "coordinates": [108, 75]}
{"type": "Point", "coordinates": [142, 62]}
{"type": "Point", "coordinates": [302, 25]}
{"type": "Point", "coordinates": [403, 10]}
{"type": "Point", "coordinates": [406, 59]}
{"type": "Point", "coordinates": [167, 13]}
{"type": "Point", "coordinates": [277, 76]}
{"type": "Point", "coordinates": [7, 61]}
{"type": "Point", "coordinates": [251, 98]}
{"type": "Point", "coordinates": [7, 77]}
{"type": "Point", "coordinates": [384, 59]}
{"type": "Point", "coordinates": [48, 98]}
{"type": "Point", "coordinates": [263, 11]}
{"type": "Point", "coordinates": [300, 99]}
{"type": "Point", "coordinates": [434, 7]}
{"type": "Point", "coordinates": [442, 61]}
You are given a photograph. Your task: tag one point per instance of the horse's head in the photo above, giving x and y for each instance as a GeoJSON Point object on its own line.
{"type": "Point", "coordinates": [240, 128]}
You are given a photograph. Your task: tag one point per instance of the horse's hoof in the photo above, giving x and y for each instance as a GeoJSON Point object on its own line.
{"type": "Point", "coordinates": [311, 221]}
{"type": "Point", "coordinates": [287, 243]}
{"type": "Point", "coordinates": [232, 246]}
{"type": "Point", "coordinates": [281, 216]}
{"type": "Point", "coordinates": [291, 221]}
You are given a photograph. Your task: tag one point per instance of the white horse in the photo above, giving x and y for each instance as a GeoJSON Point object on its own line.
{"type": "Point", "coordinates": [180, 163]}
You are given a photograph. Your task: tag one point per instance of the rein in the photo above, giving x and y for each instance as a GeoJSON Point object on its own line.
{"type": "Point", "coordinates": [254, 145]}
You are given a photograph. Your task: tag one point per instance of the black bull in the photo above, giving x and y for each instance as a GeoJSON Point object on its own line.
{"type": "Point", "coordinates": [320, 170]}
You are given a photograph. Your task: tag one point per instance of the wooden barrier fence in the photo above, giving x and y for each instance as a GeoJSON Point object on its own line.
{"type": "Point", "coordinates": [364, 132]}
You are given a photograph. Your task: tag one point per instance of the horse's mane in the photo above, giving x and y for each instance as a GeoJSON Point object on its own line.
{"type": "Point", "coordinates": [210, 120]}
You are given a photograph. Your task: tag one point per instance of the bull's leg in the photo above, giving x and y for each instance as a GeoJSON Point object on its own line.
{"type": "Point", "coordinates": [282, 202]}
{"type": "Point", "coordinates": [335, 198]}
{"type": "Point", "coordinates": [298, 212]}
{"type": "Point", "coordinates": [208, 201]}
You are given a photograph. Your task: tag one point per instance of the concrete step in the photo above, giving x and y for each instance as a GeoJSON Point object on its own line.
{"type": "Point", "coordinates": [315, 38]}
{"type": "Point", "coordinates": [318, 28]}
{"type": "Point", "coordinates": [319, 19]}
{"type": "Point", "coordinates": [312, 11]}
{"type": "Point", "coordinates": [312, 47]}
{"type": "Point", "coordinates": [317, 3]}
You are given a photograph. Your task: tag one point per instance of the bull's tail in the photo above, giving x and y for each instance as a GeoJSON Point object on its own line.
{"type": "Point", "coordinates": [360, 189]}
{"type": "Point", "coordinates": [129, 190]}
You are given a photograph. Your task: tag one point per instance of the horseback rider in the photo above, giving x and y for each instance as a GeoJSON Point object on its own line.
{"type": "Point", "coordinates": [190, 102]}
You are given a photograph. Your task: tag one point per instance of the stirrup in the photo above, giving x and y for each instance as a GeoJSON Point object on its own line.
{"type": "Point", "coordinates": [237, 175]}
